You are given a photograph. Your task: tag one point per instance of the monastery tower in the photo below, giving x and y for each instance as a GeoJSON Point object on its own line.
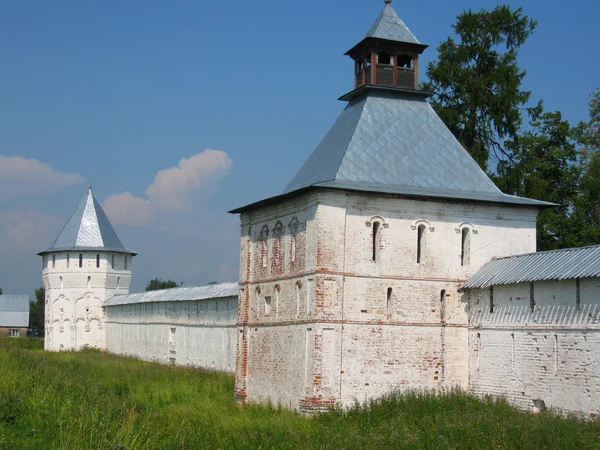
{"type": "Point", "coordinates": [349, 278]}
{"type": "Point", "coordinates": [85, 266]}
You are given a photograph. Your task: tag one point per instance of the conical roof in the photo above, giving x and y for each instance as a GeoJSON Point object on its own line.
{"type": "Point", "coordinates": [88, 228]}
{"type": "Point", "coordinates": [389, 26]}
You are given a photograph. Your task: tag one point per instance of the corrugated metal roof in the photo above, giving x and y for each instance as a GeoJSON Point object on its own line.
{"type": "Point", "coordinates": [390, 141]}
{"type": "Point", "coordinates": [14, 310]}
{"type": "Point", "coordinates": [389, 26]}
{"type": "Point", "coordinates": [227, 289]}
{"type": "Point", "coordinates": [88, 228]}
{"type": "Point", "coordinates": [569, 263]}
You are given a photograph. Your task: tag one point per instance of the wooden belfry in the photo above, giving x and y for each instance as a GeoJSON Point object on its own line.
{"type": "Point", "coordinates": [388, 55]}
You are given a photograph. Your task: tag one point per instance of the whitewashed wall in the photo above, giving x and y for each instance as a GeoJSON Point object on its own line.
{"type": "Point", "coordinates": [75, 296]}
{"type": "Point", "coordinates": [200, 333]}
{"type": "Point", "coordinates": [319, 327]}
{"type": "Point", "coordinates": [549, 357]}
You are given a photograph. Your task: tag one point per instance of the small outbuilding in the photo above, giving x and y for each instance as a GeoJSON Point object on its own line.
{"type": "Point", "coordinates": [14, 315]}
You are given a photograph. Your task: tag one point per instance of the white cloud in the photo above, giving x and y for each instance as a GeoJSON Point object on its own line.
{"type": "Point", "coordinates": [21, 176]}
{"type": "Point", "coordinates": [27, 230]}
{"type": "Point", "coordinates": [127, 209]}
{"type": "Point", "coordinates": [173, 189]}
{"type": "Point", "coordinates": [171, 185]}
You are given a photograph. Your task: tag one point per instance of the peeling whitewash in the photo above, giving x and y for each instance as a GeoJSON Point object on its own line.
{"type": "Point", "coordinates": [548, 357]}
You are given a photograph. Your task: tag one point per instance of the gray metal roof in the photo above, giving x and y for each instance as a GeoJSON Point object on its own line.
{"type": "Point", "coordinates": [227, 289]}
{"type": "Point", "coordinates": [391, 141]}
{"type": "Point", "coordinates": [568, 263]}
{"type": "Point", "coordinates": [14, 310]}
{"type": "Point", "coordinates": [389, 26]}
{"type": "Point", "coordinates": [88, 228]}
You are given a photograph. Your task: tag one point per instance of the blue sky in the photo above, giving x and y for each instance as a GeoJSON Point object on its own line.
{"type": "Point", "coordinates": [129, 95]}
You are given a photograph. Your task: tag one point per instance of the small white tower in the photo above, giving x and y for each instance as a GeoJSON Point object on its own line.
{"type": "Point", "coordinates": [85, 266]}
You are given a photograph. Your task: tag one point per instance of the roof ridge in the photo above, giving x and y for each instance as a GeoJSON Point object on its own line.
{"type": "Point", "coordinates": [558, 250]}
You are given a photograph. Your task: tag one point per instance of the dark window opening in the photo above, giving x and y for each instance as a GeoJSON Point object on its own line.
{"type": "Point", "coordinates": [531, 297]}
{"type": "Point", "coordinates": [375, 240]}
{"type": "Point", "coordinates": [80, 260]}
{"type": "Point", "coordinates": [125, 262]}
{"type": "Point", "coordinates": [68, 261]}
{"type": "Point", "coordinates": [97, 260]}
{"type": "Point", "coordinates": [384, 58]}
{"type": "Point", "coordinates": [405, 61]}
{"type": "Point", "coordinates": [368, 61]}
{"type": "Point", "coordinates": [420, 235]}
{"type": "Point", "coordinates": [465, 247]}
{"type": "Point", "coordinates": [491, 299]}
{"type": "Point", "coordinates": [577, 295]}
{"type": "Point", "coordinates": [53, 261]}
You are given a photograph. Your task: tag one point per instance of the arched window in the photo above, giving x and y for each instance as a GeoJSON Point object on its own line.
{"type": "Point", "coordinates": [293, 226]}
{"type": "Point", "coordinates": [384, 58]}
{"type": "Point", "coordinates": [420, 243]}
{"type": "Point", "coordinates": [264, 235]}
{"type": "Point", "coordinates": [405, 61]}
{"type": "Point", "coordinates": [375, 243]}
{"type": "Point", "coordinates": [80, 260]}
{"type": "Point", "coordinates": [465, 248]}
{"type": "Point", "coordinates": [97, 260]}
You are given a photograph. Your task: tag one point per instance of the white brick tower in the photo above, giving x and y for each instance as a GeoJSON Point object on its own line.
{"type": "Point", "coordinates": [85, 266]}
{"type": "Point", "coordinates": [349, 278]}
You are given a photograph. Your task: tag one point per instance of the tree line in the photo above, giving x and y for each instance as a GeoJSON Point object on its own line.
{"type": "Point", "coordinates": [526, 150]}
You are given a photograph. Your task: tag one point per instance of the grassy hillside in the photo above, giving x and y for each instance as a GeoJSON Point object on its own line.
{"type": "Point", "coordinates": [91, 399]}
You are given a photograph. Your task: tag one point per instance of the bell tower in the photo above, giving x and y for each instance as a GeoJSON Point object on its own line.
{"type": "Point", "coordinates": [85, 266]}
{"type": "Point", "coordinates": [388, 55]}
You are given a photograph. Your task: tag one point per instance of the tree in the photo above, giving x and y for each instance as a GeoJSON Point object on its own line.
{"type": "Point", "coordinates": [587, 204]}
{"type": "Point", "coordinates": [544, 166]}
{"type": "Point", "coordinates": [37, 311]}
{"type": "Point", "coordinates": [158, 283]}
{"type": "Point", "coordinates": [477, 81]}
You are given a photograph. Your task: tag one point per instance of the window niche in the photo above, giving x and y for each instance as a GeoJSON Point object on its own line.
{"type": "Point", "coordinates": [421, 227]}
{"type": "Point", "coordinates": [420, 243]}
{"type": "Point", "coordinates": [465, 248]}
{"type": "Point", "coordinates": [375, 241]}
{"type": "Point", "coordinates": [466, 230]}
{"type": "Point", "coordinates": [294, 225]}
{"type": "Point", "coordinates": [264, 235]}
{"type": "Point", "coordinates": [377, 224]}
{"type": "Point", "coordinates": [277, 251]}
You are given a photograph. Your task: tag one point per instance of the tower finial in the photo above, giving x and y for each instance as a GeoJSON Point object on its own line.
{"type": "Point", "coordinates": [387, 2]}
{"type": "Point", "coordinates": [89, 186]}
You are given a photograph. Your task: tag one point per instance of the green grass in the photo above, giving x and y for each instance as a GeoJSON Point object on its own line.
{"type": "Point", "coordinates": [91, 399]}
